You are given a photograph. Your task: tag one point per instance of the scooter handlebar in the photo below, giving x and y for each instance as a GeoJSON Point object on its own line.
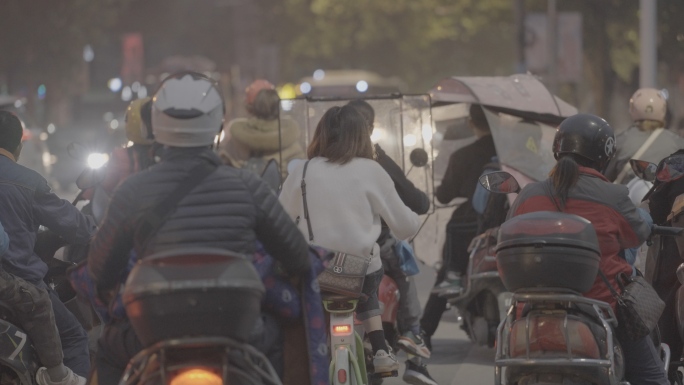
{"type": "Point", "coordinates": [666, 231]}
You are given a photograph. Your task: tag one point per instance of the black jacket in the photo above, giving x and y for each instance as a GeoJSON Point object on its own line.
{"type": "Point", "coordinates": [231, 209]}
{"type": "Point", "coordinates": [462, 174]}
{"type": "Point", "coordinates": [412, 197]}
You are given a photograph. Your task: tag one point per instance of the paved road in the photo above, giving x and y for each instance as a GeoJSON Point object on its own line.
{"type": "Point", "coordinates": [455, 360]}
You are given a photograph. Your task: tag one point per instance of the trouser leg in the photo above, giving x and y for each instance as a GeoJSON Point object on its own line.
{"type": "Point", "coordinates": [458, 237]}
{"type": "Point", "coordinates": [434, 308]}
{"type": "Point", "coordinates": [643, 365]}
{"type": "Point", "coordinates": [117, 345]}
{"type": "Point", "coordinates": [33, 309]}
{"type": "Point", "coordinates": [74, 338]}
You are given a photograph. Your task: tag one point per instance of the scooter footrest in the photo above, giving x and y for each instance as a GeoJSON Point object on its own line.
{"type": "Point", "coordinates": [377, 376]}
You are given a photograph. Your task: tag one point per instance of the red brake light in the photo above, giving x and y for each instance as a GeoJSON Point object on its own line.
{"type": "Point", "coordinates": [342, 376]}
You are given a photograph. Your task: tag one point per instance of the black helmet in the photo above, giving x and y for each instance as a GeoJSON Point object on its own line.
{"type": "Point", "coordinates": [588, 136]}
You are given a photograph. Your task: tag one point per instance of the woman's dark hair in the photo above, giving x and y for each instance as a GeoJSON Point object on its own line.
{"type": "Point", "coordinates": [478, 117]}
{"type": "Point", "coordinates": [566, 173]}
{"type": "Point", "coordinates": [365, 109]}
{"type": "Point", "coordinates": [341, 135]}
{"type": "Point", "coordinates": [265, 105]}
{"type": "Point", "coordinates": [11, 131]}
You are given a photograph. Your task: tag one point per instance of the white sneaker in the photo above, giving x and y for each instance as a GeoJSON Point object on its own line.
{"type": "Point", "coordinates": [384, 362]}
{"type": "Point", "coordinates": [71, 378]}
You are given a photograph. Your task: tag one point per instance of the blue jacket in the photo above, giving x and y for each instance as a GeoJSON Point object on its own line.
{"type": "Point", "coordinates": [26, 203]}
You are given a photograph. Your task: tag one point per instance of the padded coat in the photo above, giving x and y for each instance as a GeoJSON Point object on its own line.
{"type": "Point", "coordinates": [230, 209]}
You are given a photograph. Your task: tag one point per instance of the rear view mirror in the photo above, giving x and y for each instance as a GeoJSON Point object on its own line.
{"type": "Point", "coordinates": [670, 168]}
{"type": "Point", "coordinates": [419, 157]}
{"type": "Point", "coordinates": [90, 178]}
{"type": "Point", "coordinates": [271, 175]}
{"type": "Point", "coordinates": [643, 169]}
{"type": "Point", "coordinates": [500, 182]}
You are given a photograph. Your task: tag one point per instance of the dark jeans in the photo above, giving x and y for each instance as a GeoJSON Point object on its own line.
{"type": "Point", "coordinates": [119, 343]}
{"type": "Point", "coordinates": [643, 365]}
{"type": "Point", "coordinates": [371, 306]}
{"type": "Point", "coordinates": [33, 311]}
{"type": "Point", "coordinates": [455, 258]}
{"type": "Point", "coordinates": [74, 338]}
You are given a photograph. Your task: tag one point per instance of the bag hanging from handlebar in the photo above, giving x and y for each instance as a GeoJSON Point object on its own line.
{"type": "Point", "coordinates": [346, 272]}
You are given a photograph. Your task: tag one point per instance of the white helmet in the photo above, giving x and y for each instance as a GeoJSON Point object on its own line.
{"type": "Point", "coordinates": [187, 111]}
{"type": "Point", "coordinates": [648, 104]}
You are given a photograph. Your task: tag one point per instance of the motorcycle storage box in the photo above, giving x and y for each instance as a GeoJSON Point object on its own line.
{"type": "Point", "coordinates": [548, 249]}
{"type": "Point", "coordinates": [193, 292]}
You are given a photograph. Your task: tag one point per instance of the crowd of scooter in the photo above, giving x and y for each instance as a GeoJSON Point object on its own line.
{"type": "Point", "coordinates": [188, 265]}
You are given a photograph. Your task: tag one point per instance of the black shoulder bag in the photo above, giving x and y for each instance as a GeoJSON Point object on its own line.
{"type": "Point", "coordinates": [345, 273]}
{"type": "Point", "coordinates": [638, 307]}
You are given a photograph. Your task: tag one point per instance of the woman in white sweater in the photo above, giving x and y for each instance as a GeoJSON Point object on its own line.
{"type": "Point", "coordinates": [347, 194]}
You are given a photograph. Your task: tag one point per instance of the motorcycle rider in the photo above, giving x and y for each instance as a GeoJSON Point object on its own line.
{"type": "Point", "coordinates": [341, 169]}
{"type": "Point", "coordinates": [408, 319]}
{"type": "Point", "coordinates": [26, 202]}
{"type": "Point", "coordinates": [252, 142]}
{"type": "Point", "coordinates": [460, 180]}
{"type": "Point", "coordinates": [229, 208]}
{"type": "Point", "coordinates": [137, 156]}
{"type": "Point", "coordinates": [665, 282]}
{"type": "Point", "coordinates": [648, 109]}
{"type": "Point", "coordinates": [33, 310]}
{"type": "Point", "coordinates": [583, 146]}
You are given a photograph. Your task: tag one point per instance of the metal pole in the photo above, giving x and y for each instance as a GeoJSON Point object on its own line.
{"type": "Point", "coordinates": [552, 45]}
{"type": "Point", "coordinates": [519, 10]}
{"type": "Point", "coordinates": [648, 69]}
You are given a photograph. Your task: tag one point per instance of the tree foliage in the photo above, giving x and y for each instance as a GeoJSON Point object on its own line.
{"type": "Point", "coordinates": [413, 39]}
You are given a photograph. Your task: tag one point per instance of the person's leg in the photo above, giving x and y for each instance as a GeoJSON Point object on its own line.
{"type": "Point", "coordinates": [117, 345]}
{"type": "Point", "coordinates": [408, 314]}
{"type": "Point", "coordinates": [74, 338]}
{"type": "Point", "coordinates": [368, 312]}
{"type": "Point", "coordinates": [267, 337]}
{"type": "Point", "coordinates": [459, 234]}
{"type": "Point", "coordinates": [643, 365]}
{"type": "Point", "coordinates": [432, 313]}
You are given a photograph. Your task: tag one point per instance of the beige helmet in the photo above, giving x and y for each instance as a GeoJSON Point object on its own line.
{"type": "Point", "coordinates": [648, 104]}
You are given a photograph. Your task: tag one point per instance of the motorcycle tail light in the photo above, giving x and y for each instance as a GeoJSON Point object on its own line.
{"type": "Point", "coordinates": [342, 330]}
{"type": "Point", "coordinates": [342, 376]}
{"type": "Point", "coordinates": [196, 376]}
{"type": "Point", "coordinates": [546, 336]}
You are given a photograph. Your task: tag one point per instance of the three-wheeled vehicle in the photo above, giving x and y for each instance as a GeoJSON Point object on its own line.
{"type": "Point", "coordinates": [523, 116]}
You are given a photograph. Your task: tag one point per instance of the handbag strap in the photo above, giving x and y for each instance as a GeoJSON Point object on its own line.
{"type": "Point", "coordinates": [305, 205]}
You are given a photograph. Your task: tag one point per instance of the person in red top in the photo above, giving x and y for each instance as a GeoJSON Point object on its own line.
{"type": "Point", "coordinates": [583, 146]}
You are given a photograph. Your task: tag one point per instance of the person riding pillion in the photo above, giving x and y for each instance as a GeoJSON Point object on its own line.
{"type": "Point", "coordinates": [228, 209]}
{"type": "Point", "coordinates": [251, 142]}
